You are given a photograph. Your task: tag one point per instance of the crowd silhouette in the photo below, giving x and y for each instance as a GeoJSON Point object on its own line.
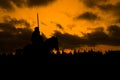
{"type": "Point", "coordinates": [40, 51]}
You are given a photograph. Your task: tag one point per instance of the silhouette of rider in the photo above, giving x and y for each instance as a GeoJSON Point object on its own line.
{"type": "Point", "coordinates": [37, 39]}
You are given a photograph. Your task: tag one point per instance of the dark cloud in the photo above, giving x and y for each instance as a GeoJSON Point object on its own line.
{"type": "Point", "coordinates": [19, 3]}
{"type": "Point", "coordinates": [14, 21]}
{"type": "Point", "coordinates": [59, 26]}
{"type": "Point", "coordinates": [32, 3]}
{"type": "Point", "coordinates": [88, 16]}
{"type": "Point", "coordinates": [12, 37]}
{"type": "Point", "coordinates": [44, 23]}
{"type": "Point", "coordinates": [96, 37]}
{"type": "Point", "coordinates": [106, 6]}
{"type": "Point", "coordinates": [111, 8]}
{"type": "Point", "coordinates": [8, 4]}
{"type": "Point", "coordinates": [68, 41]}
{"type": "Point", "coordinates": [5, 4]}
{"type": "Point", "coordinates": [114, 31]}
{"type": "Point", "coordinates": [114, 34]}
{"type": "Point", "coordinates": [93, 3]}
{"type": "Point", "coordinates": [6, 27]}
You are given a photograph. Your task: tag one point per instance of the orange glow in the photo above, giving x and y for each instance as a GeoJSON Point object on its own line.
{"type": "Point", "coordinates": [63, 12]}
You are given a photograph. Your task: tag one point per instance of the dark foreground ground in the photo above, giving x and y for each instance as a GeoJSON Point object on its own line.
{"type": "Point", "coordinates": [89, 58]}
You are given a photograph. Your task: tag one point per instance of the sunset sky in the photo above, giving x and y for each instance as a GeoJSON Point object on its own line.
{"type": "Point", "coordinates": [77, 23]}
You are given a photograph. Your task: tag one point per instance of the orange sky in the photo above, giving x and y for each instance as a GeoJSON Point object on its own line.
{"type": "Point", "coordinates": [65, 13]}
{"type": "Point", "coordinates": [62, 12]}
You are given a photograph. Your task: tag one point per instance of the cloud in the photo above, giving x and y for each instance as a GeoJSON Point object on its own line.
{"type": "Point", "coordinates": [88, 16]}
{"type": "Point", "coordinates": [7, 27]}
{"type": "Point", "coordinates": [32, 3]}
{"type": "Point", "coordinates": [43, 23]}
{"type": "Point", "coordinates": [114, 34]}
{"type": "Point", "coordinates": [12, 37]}
{"type": "Point", "coordinates": [5, 4]}
{"type": "Point", "coordinates": [68, 41]}
{"type": "Point", "coordinates": [14, 21]}
{"type": "Point", "coordinates": [104, 5]}
{"type": "Point", "coordinates": [59, 26]}
{"type": "Point", "coordinates": [19, 3]}
{"type": "Point", "coordinates": [111, 8]}
{"type": "Point", "coordinates": [93, 3]}
{"type": "Point", "coordinates": [96, 37]}
{"type": "Point", "coordinates": [8, 4]}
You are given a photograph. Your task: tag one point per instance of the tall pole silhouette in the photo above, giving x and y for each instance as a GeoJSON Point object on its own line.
{"type": "Point", "coordinates": [37, 19]}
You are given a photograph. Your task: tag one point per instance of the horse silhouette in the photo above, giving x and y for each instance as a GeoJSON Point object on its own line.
{"type": "Point", "coordinates": [51, 44]}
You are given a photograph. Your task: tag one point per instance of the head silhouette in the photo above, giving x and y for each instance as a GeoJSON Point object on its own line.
{"type": "Point", "coordinates": [36, 29]}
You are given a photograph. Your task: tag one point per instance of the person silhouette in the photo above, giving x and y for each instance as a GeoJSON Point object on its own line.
{"type": "Point", "coordinates": [37, 39]}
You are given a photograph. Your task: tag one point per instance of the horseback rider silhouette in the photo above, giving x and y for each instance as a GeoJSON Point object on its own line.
{"type": "Point", "coordinates": [37, 39]}
{"type": "Point", "coordinates": [39, 46]}
{"type": "Point", "coordinates": [40, 49]}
